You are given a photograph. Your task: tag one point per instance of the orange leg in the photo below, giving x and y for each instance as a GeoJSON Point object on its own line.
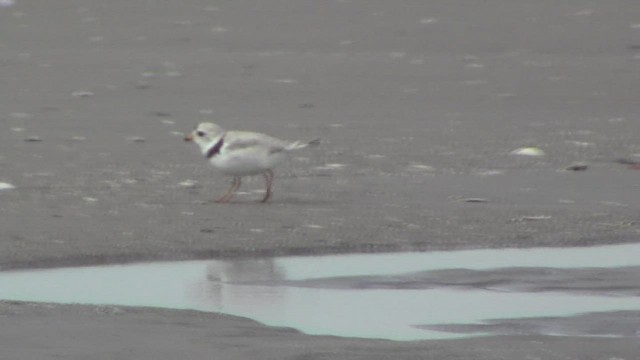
{"type": "Point", "coordinates": [235, 185]}
{"type": "Point", "coordinates": [268, 178]}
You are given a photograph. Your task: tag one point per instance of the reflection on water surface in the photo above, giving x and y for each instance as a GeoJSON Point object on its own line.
{"type": "Point", "coordinates": [392, 296]}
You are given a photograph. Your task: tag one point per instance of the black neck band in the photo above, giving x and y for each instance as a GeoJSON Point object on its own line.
{"type": "Point", "coordinates": [215, 149]}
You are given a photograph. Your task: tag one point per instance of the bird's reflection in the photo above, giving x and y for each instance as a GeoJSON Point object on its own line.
{"type": "Point", "coordinates": [235, 286]}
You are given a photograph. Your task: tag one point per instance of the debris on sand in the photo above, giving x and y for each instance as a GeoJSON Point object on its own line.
{"type": "Point", "coordinates": [627, 162]}
{"type": "Point", "coordinates": [528, 151]}
{"type": "Point", "coordinates": [6, 186]}
{"type": "Point", "coordinates": [137, 139]}
{"type": "Point", "coordinates": [161, 113]}
{"type": "Point", "coordinates": [81, 94]}
{"type": "Point", "coordinates": [577, 167]}
{"type": "Point", "coordinates": [631, 164]}
{"type": "Point", "coordinates": [531, 218]}
{"type": "Point", "coordinates": [420, 167]}
{"type": "Point", "coordinates": [188, 183]}
{"type": "Point", "coordinates": [475, 200]}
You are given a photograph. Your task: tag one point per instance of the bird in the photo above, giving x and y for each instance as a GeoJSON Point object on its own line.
{"type": "Point", "coordinates": [243, 153]}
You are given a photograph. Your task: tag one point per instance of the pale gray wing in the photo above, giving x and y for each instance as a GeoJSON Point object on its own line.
{"type": "Point", "coordinates": [239, 140]}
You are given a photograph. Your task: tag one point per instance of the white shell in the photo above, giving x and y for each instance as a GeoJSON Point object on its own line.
{"type": "Point", "coordinates": [528, 151]}
{"type": "Point", "coordinates": [6, 186]}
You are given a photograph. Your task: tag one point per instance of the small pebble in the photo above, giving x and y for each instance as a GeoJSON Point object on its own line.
{"type": "Point", "coordinates": [33, 139]}
{"type": "Point", "coordinates": [108, 310]}
{"type": "Point", "coordinates": [82, 93]}
{"type": "Point", "coordinates": [535, 218]}
{"type": "Point", "coordinates": [334, 166]}
{"type": "Point", "coordinates": [577, 167]}
{"type": "Point", "coordinates": [188, 183]}
{"type": "Point", "coordinates": [488, 172]}
{"type": "Point", "coordinates": [475, 200]}
{"type": "Point", "coordinates": [580, 143]}
{"type": "Point", "coordinates": [421, 167]}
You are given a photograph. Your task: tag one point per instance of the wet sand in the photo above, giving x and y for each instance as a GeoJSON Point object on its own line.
{"type": "Point", "coordinates": [418, 105]}
{"type": "Point", "coordinates": [36, 331]}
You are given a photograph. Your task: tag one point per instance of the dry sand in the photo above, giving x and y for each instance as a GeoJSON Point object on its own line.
{"type": "Point", "coordinates": [418, 104]}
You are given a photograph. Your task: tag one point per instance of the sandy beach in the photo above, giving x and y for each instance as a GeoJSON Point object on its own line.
{"type": "Point", "coordinates": [419, 106]}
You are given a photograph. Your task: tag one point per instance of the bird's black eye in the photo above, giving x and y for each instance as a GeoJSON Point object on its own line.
{"type": "Point", "coordinates": [200, 133]}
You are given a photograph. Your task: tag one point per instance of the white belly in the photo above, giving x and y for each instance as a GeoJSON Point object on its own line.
{"type": "Point", "coordinates": [242, 163]}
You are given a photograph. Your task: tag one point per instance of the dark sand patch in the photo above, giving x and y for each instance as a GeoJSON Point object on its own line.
{"type": "Point", "coordinates": [623, 324]}
{"type": "Point", "coordinates": [36, 331]}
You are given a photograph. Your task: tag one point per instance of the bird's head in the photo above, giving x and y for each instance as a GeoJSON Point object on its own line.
{"type": "Point", "coordinates": [205, 135]}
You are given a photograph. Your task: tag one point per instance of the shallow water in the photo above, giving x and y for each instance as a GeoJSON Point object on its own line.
{"type": "Point", "coordinates": [371, 296]}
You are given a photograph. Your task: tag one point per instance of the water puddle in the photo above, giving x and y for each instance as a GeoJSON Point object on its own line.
{"type": "Point", "coordinates": [402, 296]}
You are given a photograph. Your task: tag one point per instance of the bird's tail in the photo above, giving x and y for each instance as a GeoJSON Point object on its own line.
{"type": "Point", "coordinates": [301, 145]}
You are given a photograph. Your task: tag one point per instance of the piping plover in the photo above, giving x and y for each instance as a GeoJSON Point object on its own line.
{"type": "Point", "coordinates": [243, 153]}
